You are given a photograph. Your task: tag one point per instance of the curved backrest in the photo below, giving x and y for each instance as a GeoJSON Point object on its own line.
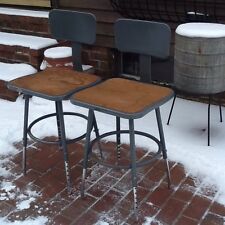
{"type": "Point", "coordinates": [73, 26]}
{"type": "Point", "coordinates": [143, 37]}
{"type": "Point", "coordinates": [77, 27]}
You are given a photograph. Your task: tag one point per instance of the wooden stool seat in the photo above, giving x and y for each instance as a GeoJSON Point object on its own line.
{"type": "Point", "coordinates": [122, 97]}
{"type": "Point", "coordinates": [53, 83]}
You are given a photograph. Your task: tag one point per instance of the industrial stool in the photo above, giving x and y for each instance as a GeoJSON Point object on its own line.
{"type": "Point", "coordinates": [129, 99]}
{"type": "Point", "coordinates": [199, 66]}
{"type": "Point", "coordinates": [58, 84]}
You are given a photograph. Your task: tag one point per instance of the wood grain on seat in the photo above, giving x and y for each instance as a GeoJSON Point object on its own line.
{"type": "Point", "coordinates": [124, 96]}
{"type": "Point", "coordinates": [53, 82]}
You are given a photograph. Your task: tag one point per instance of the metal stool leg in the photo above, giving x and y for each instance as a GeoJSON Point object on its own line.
{"type": "Point", "coordinates": [118, 141]}
{"type": "Point", "coordinates": [162, 140]}
{"type": "Point", "coordinates": [26, 112]}
{"type": "Point", "coordinates": [86, 150]}
{"type": "Point", "coordinates": [171, 109]}
{"type": "Point", "coordinates": [133, 162]}
{"type": "Point", "coordinates": [97, 134]}
{"type": "Point", "coordinates": [209, 120]}
{"type": "Point", "coordinates": [58, 127]}
{"type": "Point", "coordinates": [221, 114]}
{"type": "Point", "coordinates": [59, 113]}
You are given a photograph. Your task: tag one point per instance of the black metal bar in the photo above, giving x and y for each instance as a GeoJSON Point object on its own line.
{"type": "Point", "coordinates": [145, 68]}
{"type": "Point", "coordinates": [133, 163]}
{"type": "Point", "coordinates": [118, 138]}
{"type": "Point", "coordinates": [55, 4]}
{"type": "Point", "coordinates": [214, 11]}
{"type": "Point", "coordinates": [162, 140]}
{"type": "Point", "coordinates": [209, 104]}
{"type": "Point", "coordinates": [76, 53]}
{"type": "Point", "coordinates": [220, 108]}
{"type": "Point", "coordinates": [25, 126]}
{"type": "Point", "coordinates": [171, 109]}
{"type": "Point", "coordinates": [87, 150]}
{"type": "Point", "coordinates": [64, 145]}
{"type": "Point", "coordinates": [95, 125]}
{"type": "Point", "coordinates": [58, 126]}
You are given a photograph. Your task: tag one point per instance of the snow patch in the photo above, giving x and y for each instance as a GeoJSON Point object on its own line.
{"type": "Point", "coordinates": [29, 41]}
{"type": "Point", "coordinates": [22, 12]}
{"type": "Point", "coordinates": [204, 30]}
{"type": "Point", "coordinates": [41, 220]}
{"type": "Point", "coordinates": [58, 52]}
{"type": "Point", "coordinates": [12, 71]}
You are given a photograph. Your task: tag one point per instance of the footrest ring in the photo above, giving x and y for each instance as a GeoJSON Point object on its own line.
{"type": "Point", "coordinates": [139, 163]}
{"type": "Point", "coordinates": [54, 142]}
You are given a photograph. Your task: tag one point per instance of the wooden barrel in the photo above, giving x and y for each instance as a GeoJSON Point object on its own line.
{"type": "Point", "coordinates": [199, 64]}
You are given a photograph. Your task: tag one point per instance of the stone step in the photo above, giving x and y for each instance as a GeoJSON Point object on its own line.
{"type": "Point", "coordinates": [24, 48]}
{"type": "Point", "coordinates": [9, 72]}
{"type": "Point", "coordinates": [24, 21]}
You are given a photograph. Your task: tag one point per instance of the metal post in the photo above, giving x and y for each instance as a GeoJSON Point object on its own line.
{"type": "Point", "coordinates": [209, 104]}
{"type": "Point", "coordinates": [171, 109]}
{"type": "Point", "coordinates": [76, 53]}
{"type": "Point", "coordinates": [54, 4]}
{"type": "Point", "coordinates": [26, 112]}
{"type": "Point", "coordinates": [220, 107]}
{"type": "Point", "coordinates": [86, 150]}
{"type": "Point", "coordinates": [63, 144]}
{"type": "Point", "coordinates": [133, 163]}
{"type": "Point", "coordinates": [145, 68]}
{"type": "Point", "coordinates": [163, 143]}
{"type": "Point", "coordinates": [58, 126]}
{"type": "Point", "coordinates": [95, 125]}
{"type": "Point", "coordinates": [118, 138]}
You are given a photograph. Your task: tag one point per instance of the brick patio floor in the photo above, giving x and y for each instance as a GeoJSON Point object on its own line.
{"type": "Point", "coordinates": [108, 197]}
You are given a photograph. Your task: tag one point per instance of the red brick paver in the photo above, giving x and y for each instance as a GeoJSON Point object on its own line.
{"type": "Point", "coordinates": [108, 194]}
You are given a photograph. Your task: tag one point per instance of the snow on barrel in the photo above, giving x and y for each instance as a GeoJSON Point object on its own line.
{"type": "Point", "coordinates": [199, 65]}
{"type": "Point", "coordinates": [57, 57]}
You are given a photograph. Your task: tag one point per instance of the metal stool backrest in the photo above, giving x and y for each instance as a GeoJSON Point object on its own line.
{"type": "Point", "coordinates": [145, 38]}
{"type": "Point", "coordinates": [77, 27]}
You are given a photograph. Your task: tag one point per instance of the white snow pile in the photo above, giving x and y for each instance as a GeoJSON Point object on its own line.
{"type": "Point", "coordinates": [41, 220]}
{"type": "Point", "coordinates": [15, 70]}
{"type": "Point", "coordinates": [23, 12]}
{"type": "Point", "coordinates": [204, 30]}
{"type": "Point", "coordinates": [29, 41]}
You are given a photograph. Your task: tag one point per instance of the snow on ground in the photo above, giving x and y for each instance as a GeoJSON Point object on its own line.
{"type": "Point", "coordinates": [15, 70]}
{"type": "Point", "coordinates": [41, 220]}
{"type": "Point", "coordinates": [186, 139]}
{"type": "Point", "coordinates": [22, 12]}
{"type": "Point", "coordinates": [29, 41]}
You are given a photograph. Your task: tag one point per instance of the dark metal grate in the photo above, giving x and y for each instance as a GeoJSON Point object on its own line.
{"type": "Point", "coordinates": [172, 10]}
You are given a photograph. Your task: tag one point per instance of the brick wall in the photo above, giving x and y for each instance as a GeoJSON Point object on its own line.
{"type": "Point", "coordinates": [24, 25]}
{"type": "Point", "coordinates": [101, 58]}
